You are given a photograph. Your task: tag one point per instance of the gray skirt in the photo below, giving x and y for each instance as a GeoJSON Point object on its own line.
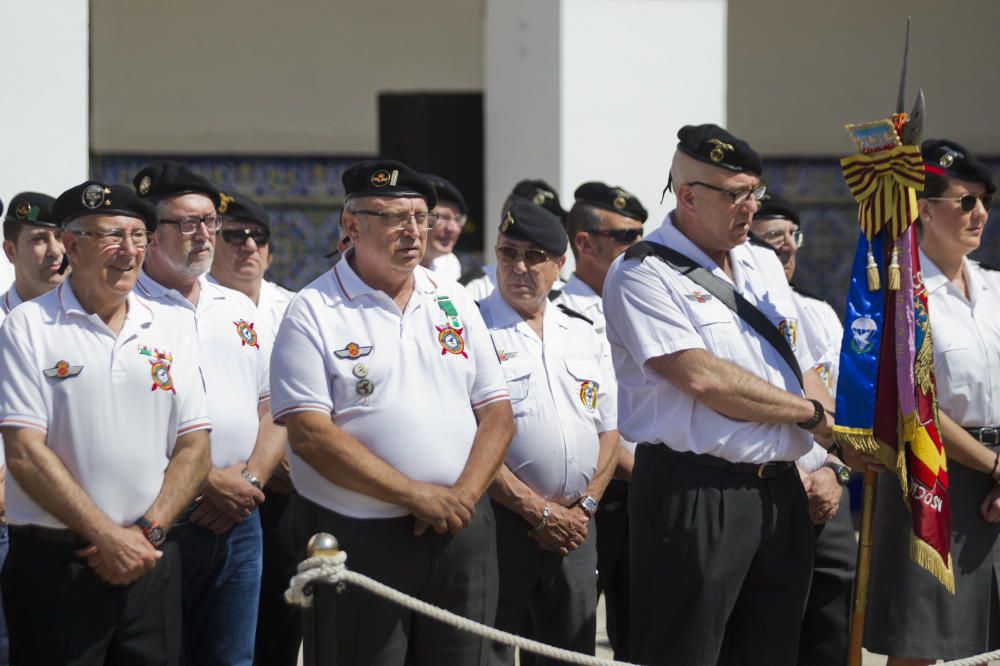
{"type": "Point", "coordinates": [910, 614]}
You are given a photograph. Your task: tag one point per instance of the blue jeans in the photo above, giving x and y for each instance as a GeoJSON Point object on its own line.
{"type": "Point", "coordinates": [4, 638]}
{"type": "Point", "coordinates": [221, 591]}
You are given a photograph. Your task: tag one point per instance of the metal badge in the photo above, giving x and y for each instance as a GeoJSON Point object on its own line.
{"type": "Point", "coordinates": [360, 371]}
{"type": "Point", "coordinates": [365, 388]}
{"type": "Point", "coordinates": [947, 159]}
{"type": "Point", "coordinates": [716, 155]}
{"type": "Point", "coordinates": [508, 221]}
{"type": "Point", "coordinates": [144, 185]}
{"type": "Point", "coordinates": [224, 201]}
{"type": "Point", "coordinates": [93, 195]}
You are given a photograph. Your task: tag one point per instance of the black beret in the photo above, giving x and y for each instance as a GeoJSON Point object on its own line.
{"type": "Point", "coordinates": [610, 198]}
{"type": "Point", "coordinates": [95, 198]}
{"type": "Point", "coordinates": [32, 208]}
{"type": "Point", "coordinates": [541, 193]}
{"type": "Point", "coordinates": [943, 157]}
{"type": "Point", "coordinates": [447, 192]}
{"type": "Point", "coordinates": [387, 178]}
{"type": "Point", "coordinates": [529, 222]}
{"type": "Point", "coordinates": [1, 206]}
{"type": "Point", "coordinates": [772, 206]}
{"type": "Point", "coordinates": [160, 180]}
{"type": "Point", "coordinates": [238, 206]}
{"type": "Point", "coordinates": [713, 145]}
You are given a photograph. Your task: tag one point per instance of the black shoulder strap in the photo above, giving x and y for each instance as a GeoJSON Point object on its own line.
{"type": "Point", "coordinates": [732, 299]}
{"type": "Point", "coordinates": [554, 294]}
{"type": "Point", "coordinates": [569, 312]}
{"type": "Point", "coordinates": [470, 275]}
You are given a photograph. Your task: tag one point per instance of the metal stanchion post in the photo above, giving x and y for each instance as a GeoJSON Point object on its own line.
{"type": "Point", "coordinates": [319, 622]}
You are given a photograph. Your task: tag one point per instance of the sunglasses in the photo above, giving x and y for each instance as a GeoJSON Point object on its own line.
{"type": "Point", "coordinates": [239, 236]}
{"type": "Point", "coordinates": [968, 202]}
{"type": "Point", "coordinates": [618, 235]}
{"type": "Point", "coordinates": [510, 255]}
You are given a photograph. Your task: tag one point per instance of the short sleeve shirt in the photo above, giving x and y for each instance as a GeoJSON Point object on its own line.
{"type": "Point", "coordinates": [10, 300]}
{"type": "Point", "coordinates": [404, 384]}
{"type": "Point", "coordinates": [235, 355]}
{"type": "Point", "coordinates": [110, 407]}
{"type": "Point", "coordinates": [966, 339]}
{"type": "Point", "coordinates": [654, 311]}
{"type": "Point", "coordinates": [562, 392]}
{"type": "Point", "coordinates": [823, 335]}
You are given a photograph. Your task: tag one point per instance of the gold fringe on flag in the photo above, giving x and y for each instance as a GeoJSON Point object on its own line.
{"type": "Point", "coordinates": [928, 558]}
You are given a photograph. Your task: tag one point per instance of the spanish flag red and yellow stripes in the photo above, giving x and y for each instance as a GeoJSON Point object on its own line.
{"type": "Point", "coordinates": [884, 184]}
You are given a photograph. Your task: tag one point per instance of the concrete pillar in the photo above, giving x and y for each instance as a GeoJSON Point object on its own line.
{"type": "Point", "coordinates": [579, 90]}
{"type": "Point", "coordinates": [45, 93]}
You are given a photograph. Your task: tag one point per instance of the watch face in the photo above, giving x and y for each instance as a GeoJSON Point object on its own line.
{"type": "Point", "coordinates": [844, 476]}
{"type": "Point", "coordinates": [589, 505]}
{"type": "Point", "coordinates": [157, 536]}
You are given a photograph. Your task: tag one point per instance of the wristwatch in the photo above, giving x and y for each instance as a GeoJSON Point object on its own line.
{"type": "Point", "coordinates": [817, 417]}
{"type": "Point", "coordinates": [589, 505]}
{"type": "Point", "coordinates": [843, 472]}
{"type": "Point", "coordinates": [251, 479]}
{"type": "Point", "coordinates": [154, 534]}
{"type": "Point", "coordinates": [546, 514]}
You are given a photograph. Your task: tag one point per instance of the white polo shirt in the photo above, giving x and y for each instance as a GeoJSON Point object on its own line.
{"type": "Point", "coordinates": [424, 375]}
{"type": "Point", "coordinates": [8, 302]}
{"type": "Point", "coordinates": [114, 414]}
{"type": "Point", "coordinates": [563, 394]}
{"type": "Point", "coordinates": [271, 303]}
{"type": "Point", "coordinates": [447, 266]}
{"type": "Point", "coordinates": [824, 333]}
{"type": "Point", "coordinates": [577, 295]}
{"type": "Point", "coordinates": [235, 350]}
{"type": "Point", "coordinates": [966, 338]}
{"type": "Point", "coordinates": [6, 273]}
{"type": "Point", "coordinates": [653, 311]}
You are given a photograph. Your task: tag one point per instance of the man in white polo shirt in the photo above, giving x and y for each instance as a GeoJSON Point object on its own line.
{"type": "Point", "coordinates": [32, 242]}
{"type": "Point", "coordinates": [242, 256]}
{"type": "Point", "coordinates": [398, 417]}
{"type": "Point", "coordinates": [563, 394]}
{"type": "Point", "coordinates": [451, 210]}
{"type": "Point", "coordinates": [105, 424]}
{"type": "Point", "coordinates": [222, 550]}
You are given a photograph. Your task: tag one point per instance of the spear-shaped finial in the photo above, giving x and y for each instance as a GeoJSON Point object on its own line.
{"type": "Point", "coordinates": [900, 99]}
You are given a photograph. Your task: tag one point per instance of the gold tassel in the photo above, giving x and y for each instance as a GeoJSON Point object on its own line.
{"type": "Point", "coordinates": [894, 270]}
{"type": "Point", "coordinates": [872, 270]}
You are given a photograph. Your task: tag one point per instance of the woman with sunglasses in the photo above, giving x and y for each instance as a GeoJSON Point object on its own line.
{"type": "Point", "coordinates": [911, 616]}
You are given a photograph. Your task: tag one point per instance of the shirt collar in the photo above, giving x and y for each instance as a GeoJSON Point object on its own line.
{"type": "Point", "coordinates": [576, 286]}
{"type": "Point", "coordinates": [672, 237]}
{"type": "Point", "coordinates": [351, 285]}
{"type": "Point", "coordinates": [934, 279]}
{"type": "Point", "coordinates": [150, 288]}
{"type": "Point", "coordinates": [11, 299]}
{"type": "Point", "coordinates": [139, 313]}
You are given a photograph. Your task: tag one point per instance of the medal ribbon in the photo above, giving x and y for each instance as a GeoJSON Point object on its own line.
{"type": "Point", "coordinates": [444, 302]}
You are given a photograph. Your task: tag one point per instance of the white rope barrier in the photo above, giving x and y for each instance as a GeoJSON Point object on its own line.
{"type": "Point", "coordinates": [977, 660]}
{"type": "Point", "coordinates": [333, 569]}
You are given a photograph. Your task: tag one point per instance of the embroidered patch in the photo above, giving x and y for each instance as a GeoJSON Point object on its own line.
{"type": "Point", "coordinates": [353, 350]}
{"type": "Point", "coordinates": [789, 329]}
{"type": "Point", "coordinates": [862, 331]}
{"type": "Point", "coordinates": [588, 395]}
{"type": "Point", "coordinates": [62, 370]}
{"type": "Point", "coordinates": [451, 340]}
{"type": "Point", "coordinates": [506, 356]}
{"type": "Point", "coordinates": [698, 297]}
{"type": "Point", "coordinates": [160, 372]}
{"type": "Point", "coordinates": [248, 336]}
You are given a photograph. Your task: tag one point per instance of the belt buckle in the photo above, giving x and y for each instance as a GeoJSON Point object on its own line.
{"type": "Point", "coordinates": [991, 431]}
{"type": "Point", "coordinates": [760, 470]}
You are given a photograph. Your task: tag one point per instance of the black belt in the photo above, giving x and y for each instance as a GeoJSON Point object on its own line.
{"type": "Point", "coordinates": [768, 470]}
{"type": "Point", "coordinates": [62, 537]}
{"type": "Point", "coordinates": [989, 435]}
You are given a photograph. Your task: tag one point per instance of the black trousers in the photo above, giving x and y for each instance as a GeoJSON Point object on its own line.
{"type": "Point", "coordinates": [612, 564]}
{"type": "Point", "coordinates": [543, 595]}
{"type": "Point", "coordinates": [456, 572]}
{"type": "Point", "coordinates": [279, 628]}
{"type": "Point", "coordinates": [720, 563]}
{"type": "Point", "coordinates": [827, 622]}
{"type": "Point", "coordinates": [59, 612]}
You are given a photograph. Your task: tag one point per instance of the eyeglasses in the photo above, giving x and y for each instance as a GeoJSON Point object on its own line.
{"type": "Point", "coordinates": [189, 225]}
{"type": "Point", "coordinates": [968, 201]}
{"type": "Point", "coordinates": [397, 220]}
{"type": "Point", "coordinates": [776, 237]}
{"type": "Point", "coordinates": [116, 237]}
{"type": "Point", "coordinates": [511, 255]}
{"type": "Point", "coordinates": [618, 235]}
{"type": "Point", "coordinates": [239, 236]}
{"type": "Point", "coordinates": [740, 196]}
{"type": "Point", "coordinates": [449, 217]}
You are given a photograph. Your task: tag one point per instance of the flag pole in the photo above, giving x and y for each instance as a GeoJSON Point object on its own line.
{"type": "Point", "coordinates": [864, 566]}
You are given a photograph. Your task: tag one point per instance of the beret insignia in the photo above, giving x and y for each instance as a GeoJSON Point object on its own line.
{"type": "Point", "coordinates": [717, 153]}
{"type": "Point", "coordinates": [144, 185]}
